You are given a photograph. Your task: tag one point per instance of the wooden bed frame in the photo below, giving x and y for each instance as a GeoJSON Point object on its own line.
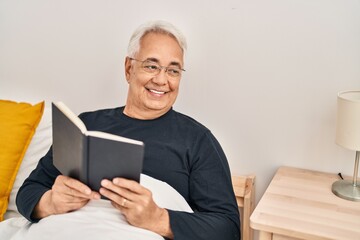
{"type": "Point", "coordinates": [244, 188]}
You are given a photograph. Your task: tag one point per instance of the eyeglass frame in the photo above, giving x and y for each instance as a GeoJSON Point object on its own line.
{"type": "Point", "coordinates": [158, 68]}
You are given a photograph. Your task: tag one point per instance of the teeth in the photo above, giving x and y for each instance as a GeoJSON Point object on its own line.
{"type": "Point", "coordinates": [157, 92]}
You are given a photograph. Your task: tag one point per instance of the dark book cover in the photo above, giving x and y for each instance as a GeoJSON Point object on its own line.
{"type": "Point", "coordinates": [91, 156]}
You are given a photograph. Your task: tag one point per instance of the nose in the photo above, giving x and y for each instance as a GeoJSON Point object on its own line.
{"type": "Point", "coordinates": [161, 78]}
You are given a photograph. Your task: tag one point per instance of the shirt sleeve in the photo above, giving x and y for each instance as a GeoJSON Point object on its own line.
{"type": "Point", "coordinates": [39, 181]}
{"type": "Point", "coordinates": [216, 214]}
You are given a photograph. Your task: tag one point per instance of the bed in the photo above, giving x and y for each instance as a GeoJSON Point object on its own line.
{"type": "Point", "coordinates": [98, 219]}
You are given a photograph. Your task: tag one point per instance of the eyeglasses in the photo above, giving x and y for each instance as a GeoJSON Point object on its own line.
{"type": "Point", "coordinates": [154, 68]}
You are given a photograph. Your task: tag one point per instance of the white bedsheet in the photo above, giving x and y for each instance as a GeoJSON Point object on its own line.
{"type": "Point", "coordinates": [97, 220]}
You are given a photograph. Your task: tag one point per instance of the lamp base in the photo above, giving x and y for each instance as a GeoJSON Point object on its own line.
{"type": "Point", "coordinates": [345, 189]}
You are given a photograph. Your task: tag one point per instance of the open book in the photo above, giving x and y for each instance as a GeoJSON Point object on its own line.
{"type": "Point", "coordinates": [91, 156]}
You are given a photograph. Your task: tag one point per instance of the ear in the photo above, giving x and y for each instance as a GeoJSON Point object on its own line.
{"type": "Point", "coordinates": [127, 68]}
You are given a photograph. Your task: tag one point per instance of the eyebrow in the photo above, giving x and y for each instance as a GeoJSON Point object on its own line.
{"type": "Point", "coordinates": [171, 63]}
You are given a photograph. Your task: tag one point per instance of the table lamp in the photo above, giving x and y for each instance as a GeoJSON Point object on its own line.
{"type": "Point", "coordinates": [348, 136]}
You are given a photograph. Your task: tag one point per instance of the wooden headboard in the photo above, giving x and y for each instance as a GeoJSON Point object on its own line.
{"type": "Point", "coordinates": [244, 188]}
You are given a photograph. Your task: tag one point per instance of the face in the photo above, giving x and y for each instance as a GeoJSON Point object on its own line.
{"type": "Point", "coordinates": [150, 96]}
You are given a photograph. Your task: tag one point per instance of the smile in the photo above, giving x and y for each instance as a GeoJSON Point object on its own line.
{"type": "Point", "coordinates": [156, 92]}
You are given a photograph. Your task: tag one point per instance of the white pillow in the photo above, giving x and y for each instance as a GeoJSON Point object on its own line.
{"type": "Point", "coordinates": [38, 147]}
{"type": "Point", "coordinates": [165, 195]}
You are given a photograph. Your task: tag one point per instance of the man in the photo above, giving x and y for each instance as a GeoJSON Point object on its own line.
{"type": "Point", "coordinates": [179, 151]}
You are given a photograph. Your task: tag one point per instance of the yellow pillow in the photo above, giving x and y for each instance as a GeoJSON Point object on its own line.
{"type": "Point", "coordinates": [18, 122]}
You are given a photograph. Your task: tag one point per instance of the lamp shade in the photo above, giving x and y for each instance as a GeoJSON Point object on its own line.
{"type": "Point", "coordinates": [348, 120]}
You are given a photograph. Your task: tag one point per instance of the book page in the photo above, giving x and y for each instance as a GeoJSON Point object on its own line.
{"type": "Point", "coordinates": [77, 121]}
{"type": "Point", "coordinates": [112, 137]}
{"type": "Point", "coordinates": [72, 116]}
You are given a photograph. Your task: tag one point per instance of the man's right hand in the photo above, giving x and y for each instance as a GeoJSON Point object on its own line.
{"type": "Point", "coordinates": [67, 194]}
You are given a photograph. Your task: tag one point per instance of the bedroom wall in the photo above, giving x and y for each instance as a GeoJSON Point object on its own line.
{"type": "Point", "coordinates": [262, 75]}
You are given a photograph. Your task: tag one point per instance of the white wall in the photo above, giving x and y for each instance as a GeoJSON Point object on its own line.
{"type": "Point", "coordinates": [262, 75]}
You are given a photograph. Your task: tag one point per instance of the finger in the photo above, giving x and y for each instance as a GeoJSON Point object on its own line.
{"type": "Point", "coordinates": [133, 190]}
{"type": "Point", "coordinates": [123, 192]}
{"type": "Point", "coordinates": [77, 185]}
{"type": "Point", "coordinates": [76, 194]}
{"type": "Point", "coordinates": [69, 195]}
{"type": "Point", "coordinates": [120, 201]}
{"type": "Point", "coordinates": [131, 185]}
{"type": "Point", "coordinates": [76, 188]}
{"type": "Point", "coordinates": [124, 208]}
{"type": "Point", "coordinates": [72, 205]}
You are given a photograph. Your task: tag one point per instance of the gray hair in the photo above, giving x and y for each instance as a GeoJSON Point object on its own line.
{"type": "Point", "coordinates": [155, 27]}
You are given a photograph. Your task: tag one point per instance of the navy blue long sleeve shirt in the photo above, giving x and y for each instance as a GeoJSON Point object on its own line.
{"type": "Point", "coordinates": [179, 151]}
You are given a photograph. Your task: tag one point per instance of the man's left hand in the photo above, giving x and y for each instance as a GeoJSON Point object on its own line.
{"type": "Point", "coordinates": [137, 205]}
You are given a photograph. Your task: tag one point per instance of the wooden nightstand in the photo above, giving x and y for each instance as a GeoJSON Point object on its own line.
{"type": "Point", "coordinates": [299, 204]}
